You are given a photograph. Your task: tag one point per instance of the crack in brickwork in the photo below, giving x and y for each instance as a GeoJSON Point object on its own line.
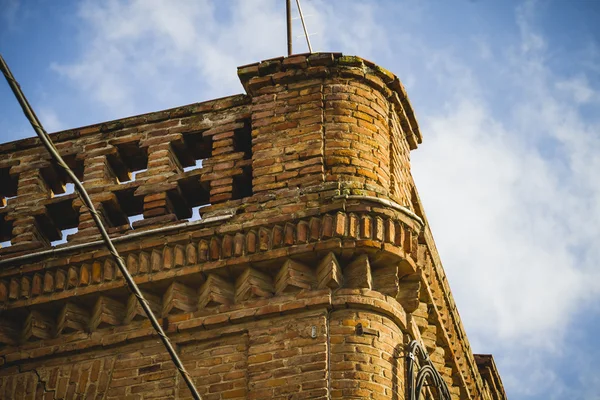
{"type": "Point", "coordinates": [43, 382]}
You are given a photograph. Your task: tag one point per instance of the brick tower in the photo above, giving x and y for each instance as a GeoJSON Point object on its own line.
{"type": "Point", "coordinates": [308, 271]}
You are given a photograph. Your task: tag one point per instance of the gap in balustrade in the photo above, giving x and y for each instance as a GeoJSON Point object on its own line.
{"type": "Point", "coordinates": [242, 184]}
{"type": "Point", "coordinates": [196, 216]}
{"type": "Point", "coordinates": [60, 216]}
{"type": "Point", "coordinates": [56, 178]}
{"type": "Point", "coordinates": [131, 176]}
{"type": "Point", "coordinates": [134, 218]}
{"type": "Point", "coordinates": [197, 165]}
{"type": "Point", "coordinates": [5, 231]}
{"type": "Point", "coordinates": [4, 244]}
{"type": "Point", "coordinates": [129, 160]}
{"type": "Point", "coordinates": [242, 139]}
{"type": "Point", "coordinates": [113, 214]}
{"type": "Point", "coordinates": [8, 186]}
{"type": "Point", "coordinates": [69, 188]}
{"type": "Point", "coordinates": [130, 206]}
{"type": "Point", "coordinates": [193, 150]}
{"type": "Point", "coordinates": [63, 236]}
{"type": "Point", "coordinates": [134, 173]}
{"type": "Point", "coordinates": [4, 201]}
{"type": "Point", "coordinates": [75, 165]}
{"type": "Point", "coordinates": [191, 195]}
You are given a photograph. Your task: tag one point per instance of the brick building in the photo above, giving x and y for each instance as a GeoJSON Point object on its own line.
{"type": "Point", "coordinates": [311, 271]}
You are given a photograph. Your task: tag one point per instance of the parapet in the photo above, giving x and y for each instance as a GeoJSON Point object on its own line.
{"type": "Point", "coordinates": [320, 121]}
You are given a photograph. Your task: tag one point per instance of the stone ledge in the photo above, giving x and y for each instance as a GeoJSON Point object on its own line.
{"type": "Point", "coordinates": [151, 117]}
{"type": "Point", "coordinates": [386, 237]}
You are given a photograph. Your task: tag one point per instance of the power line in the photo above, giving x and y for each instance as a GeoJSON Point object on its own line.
{"type": "Point", "coordinates": [304, 26]}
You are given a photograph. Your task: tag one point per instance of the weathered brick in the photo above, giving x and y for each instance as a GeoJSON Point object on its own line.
{"type": "Point", "coordinates": [310, 230]}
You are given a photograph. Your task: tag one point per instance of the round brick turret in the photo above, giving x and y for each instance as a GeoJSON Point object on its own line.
{"type": "Point", "coordinates": [328, 117]}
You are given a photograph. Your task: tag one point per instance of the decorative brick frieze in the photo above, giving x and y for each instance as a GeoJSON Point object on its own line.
{"type": "Point", "coordinates": [72, 318]}
{"type": "Point", "coordinates": [163, 260]}
{"type": "Point", "coordinates": [134, 310]}
{"type": "Point", "coordinates": [294, 276]}
{"type": "Point", "coordinates": [252, 284]}
{"type": "Point", "coordinates": [179, 298]}
{"type": "Point", "coordinates": [106, 312]}
{"type": "Point", "coordinates": [215, 291]}
{"type": "Point", "coordinates": [36, 326]}
{"type": "Point", "coordinates": [329, 272]}
{"type": "Point", "coordinates": [289, 276]}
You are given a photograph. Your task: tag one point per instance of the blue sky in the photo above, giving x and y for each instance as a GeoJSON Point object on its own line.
{"type": "Point", "coordinates": [507, 94]}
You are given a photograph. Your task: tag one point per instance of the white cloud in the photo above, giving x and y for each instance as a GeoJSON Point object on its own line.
{"type": "Point", "coordinates": [532, 41]}
{"type": "Point", "coordinates": [483, 47]}
{"type": "Point", "coordinates": [50, 120]}
{"type": "Point", "coordinates": [339, 28]}
{"type": "Point", "coordinates": [152, 52]}
{"type": "Point", "coordinates": [141, 53]}
{"type": "Point", "coordinates": [514, 203]}
{"type": "Point", "coordinates": [578, 89]}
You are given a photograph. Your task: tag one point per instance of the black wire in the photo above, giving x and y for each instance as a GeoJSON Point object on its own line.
{"type": "Point", "coordinates": [47, 142]}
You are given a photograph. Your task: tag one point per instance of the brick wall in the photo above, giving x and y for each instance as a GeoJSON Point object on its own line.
{"type": "Point", "coordinates": [277, 235]}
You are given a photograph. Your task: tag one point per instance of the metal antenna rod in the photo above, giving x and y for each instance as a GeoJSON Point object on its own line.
{"type": "Point", "coordinates": [47, 142]}
{"type": "Point", "coordinates": [304, 26]}
{"type": "Point", "coordinates": [288, 12]}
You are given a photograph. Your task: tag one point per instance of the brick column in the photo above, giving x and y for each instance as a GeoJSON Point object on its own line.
{"type": "Point", "coordinates": [357, 139]}
{"type": "Point", "coordinates": [328, 117]}
{"type": "Point", "coordinates": [287, 122]}
{"type": "Point", "coordinates": [96, 174]}
{"type": "Point", "coordinates": [162, 164]}
{"type": "Point", "coordinates": [31, 190]}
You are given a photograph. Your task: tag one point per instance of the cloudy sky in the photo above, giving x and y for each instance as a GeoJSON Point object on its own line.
{"type": "Point", "coordinates": [507, 94]}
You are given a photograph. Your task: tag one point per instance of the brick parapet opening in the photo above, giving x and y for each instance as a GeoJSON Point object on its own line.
{"type": "Point", "coordinates": [141, 172]}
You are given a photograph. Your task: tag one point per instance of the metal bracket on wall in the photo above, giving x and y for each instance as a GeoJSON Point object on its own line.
{"type": "Point", "coordinates": [427, 376]}
{"type": "Point", "coordinates": [361, 330]}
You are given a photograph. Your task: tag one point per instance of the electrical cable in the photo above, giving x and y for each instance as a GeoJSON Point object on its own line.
{"type": "Point", "coordinates": [304, 26]}
{"type": "Point", "coordinates": [47, 142]}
